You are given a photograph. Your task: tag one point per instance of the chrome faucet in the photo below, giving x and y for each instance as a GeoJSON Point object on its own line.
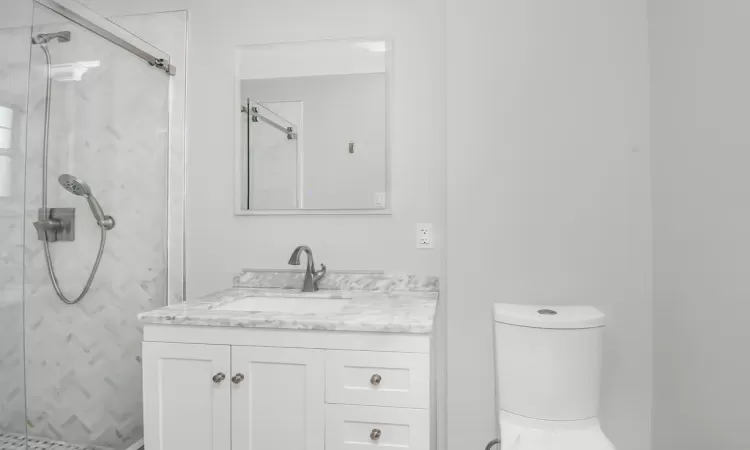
{"type": "Point", "coordinates": [311, 275]}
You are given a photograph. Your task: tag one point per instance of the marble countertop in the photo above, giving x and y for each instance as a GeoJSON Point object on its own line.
{"type": "Point", "coordinates": [405, 306]}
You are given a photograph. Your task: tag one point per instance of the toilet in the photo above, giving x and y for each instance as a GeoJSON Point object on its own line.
{"type": "Point", "coordinates": [548, 364]}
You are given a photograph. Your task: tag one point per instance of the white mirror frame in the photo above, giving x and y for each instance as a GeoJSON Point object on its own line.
{"type": "Point", "coordinates": [239, 150]}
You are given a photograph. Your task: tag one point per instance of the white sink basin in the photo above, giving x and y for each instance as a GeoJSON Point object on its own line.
{"type": "Point", "coordinates": [296, 305]}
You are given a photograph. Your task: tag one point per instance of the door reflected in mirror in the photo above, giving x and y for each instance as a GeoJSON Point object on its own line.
{"type": "Point", "coordinates": [313, 127]}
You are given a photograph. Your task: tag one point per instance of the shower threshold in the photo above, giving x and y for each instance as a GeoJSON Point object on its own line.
{"type": "Point", "coordinates": [9, 441]}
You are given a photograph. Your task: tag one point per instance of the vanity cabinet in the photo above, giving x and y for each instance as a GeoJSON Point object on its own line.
{"type": "Point", "coordinates": [209, 388]}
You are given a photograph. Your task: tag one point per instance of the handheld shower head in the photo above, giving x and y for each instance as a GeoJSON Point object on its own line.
{"type": "Point", "coordinates": [74, 185]}
{"type": "Point", "coordinates": [79, 187]}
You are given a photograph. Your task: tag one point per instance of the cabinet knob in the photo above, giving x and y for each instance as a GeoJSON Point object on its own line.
{"type": "Point", "coordinates": [237, 378]}
{"type": "Point", "coordinates": [375, 380]}
{"type": "Point", "coordinates": [375, 434]}
{"type": "Point", "coordinates": [219, 377]}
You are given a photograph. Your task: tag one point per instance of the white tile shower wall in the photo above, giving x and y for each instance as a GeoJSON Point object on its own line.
{"type": "Point", "coordinates": [82, 367]}
{"type": "Point", "coordinates": [83, 361]}
{"type": "Point", "coordinates": [12, 409]}
{"type": "Point", "coordinates": [14, 64]}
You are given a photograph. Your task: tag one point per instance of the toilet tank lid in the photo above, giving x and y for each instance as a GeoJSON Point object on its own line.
{"type": "Point", "coordinates": [553, 317]}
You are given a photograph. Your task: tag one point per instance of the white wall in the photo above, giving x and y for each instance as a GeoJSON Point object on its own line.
{"type": "Point", "coordinates": [219, 243]}
{"type": "Point", "coordinates": [548, 158]}
{"type": "Point", "coordinates": [16, 14]}
{"type": "Point", "coordinates": [548, 191]}
{"type": "Point", "coordinates": [701, 162]}
{"type": "Point", "coordinates": [311, 58]}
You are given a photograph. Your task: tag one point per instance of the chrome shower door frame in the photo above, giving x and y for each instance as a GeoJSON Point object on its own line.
{"type": "Point", "coordinates": [78, 14]}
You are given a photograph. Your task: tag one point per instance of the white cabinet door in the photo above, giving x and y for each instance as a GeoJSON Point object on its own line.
{"type": "Point", "coordinates": [279, 402]}
{"type": "Point", "coordinates": [362, 427]}
{"type": "Point", "coordinates": [186, 403]}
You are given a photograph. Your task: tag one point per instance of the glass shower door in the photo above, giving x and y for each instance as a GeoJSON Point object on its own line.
{"type": "Point", "coordinates": [14, 72]}
{"type": "Point", "coordinates": [106, 119]}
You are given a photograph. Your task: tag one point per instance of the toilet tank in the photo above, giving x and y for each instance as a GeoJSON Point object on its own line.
{"type": "Point", "coordinates": [548, 360]}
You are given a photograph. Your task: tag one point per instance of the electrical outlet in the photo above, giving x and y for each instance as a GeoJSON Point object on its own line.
{"type": "Point", "coordinates": [380, 199]}
{"type": "Point", "coordinates": [424, 235]}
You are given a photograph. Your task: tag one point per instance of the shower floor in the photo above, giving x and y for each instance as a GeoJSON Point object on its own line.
{"type": "Point", "coordinates": [20, 442]}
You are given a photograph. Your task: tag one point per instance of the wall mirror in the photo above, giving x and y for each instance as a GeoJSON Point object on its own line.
{"type": "Point", "coordinates": [313, 127]}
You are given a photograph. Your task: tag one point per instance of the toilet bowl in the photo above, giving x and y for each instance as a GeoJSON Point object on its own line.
{"type": "Point", "coordinates": [547, 375]}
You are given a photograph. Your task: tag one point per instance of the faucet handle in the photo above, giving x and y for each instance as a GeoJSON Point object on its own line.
{"type": "Point", "coordinates": [318, 275]}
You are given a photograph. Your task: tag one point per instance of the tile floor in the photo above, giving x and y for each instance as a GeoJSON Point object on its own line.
{"type": "Point", "coordinates": [19, 441]}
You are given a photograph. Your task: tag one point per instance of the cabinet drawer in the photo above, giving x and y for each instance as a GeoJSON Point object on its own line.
{"type": "Point", "coordinates": [356, 427]}
{"type": "Point", "coordinates": [378, 379]}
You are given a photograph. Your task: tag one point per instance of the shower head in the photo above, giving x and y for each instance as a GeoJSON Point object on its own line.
{"type": "Point", "coordinates": [44, 38]}
{"type": "Point", "coordinates": [79, 187]}
{"type": "Point", "coordinates": [74, 185]}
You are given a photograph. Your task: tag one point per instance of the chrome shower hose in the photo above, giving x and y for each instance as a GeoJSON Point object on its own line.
{"type": "Point", "coordinates": [45, 160]}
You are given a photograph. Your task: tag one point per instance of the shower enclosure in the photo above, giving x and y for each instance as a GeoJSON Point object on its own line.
{"type": "Point", "coordinates": [84, 223]}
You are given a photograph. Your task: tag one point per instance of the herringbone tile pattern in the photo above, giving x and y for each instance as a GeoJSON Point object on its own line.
{"type": "Point", "coordinates": [82, 362]}
{"type": "Point", "coordinates": [83, 372]}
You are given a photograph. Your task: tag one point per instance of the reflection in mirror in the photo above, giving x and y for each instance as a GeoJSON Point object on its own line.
{"type": "Point", "coordinates": [313, 127]}
{"type": "Point", "coordinates": [271, 139]}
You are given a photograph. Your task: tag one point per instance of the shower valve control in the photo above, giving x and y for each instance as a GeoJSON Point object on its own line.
{"type": "Point", "coordinates": [58, 224]}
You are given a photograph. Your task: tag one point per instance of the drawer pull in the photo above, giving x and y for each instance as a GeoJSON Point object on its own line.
{"type": "Point", "coordinates": [375, 380]}
{"type": "Point", "coordinates": [375, 434]}
{"type": "Point", "coordinates": [219, 377]}
{"type": "Point", "coordinates": [237, 378]}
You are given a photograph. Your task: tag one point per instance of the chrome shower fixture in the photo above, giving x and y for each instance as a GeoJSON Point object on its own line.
{"type": "Point", "coordinates": [44, 38]}
{"type": "Point", "coordinates": [79, 187]}
{"type": "Point", "coordinates": [57, 224]}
